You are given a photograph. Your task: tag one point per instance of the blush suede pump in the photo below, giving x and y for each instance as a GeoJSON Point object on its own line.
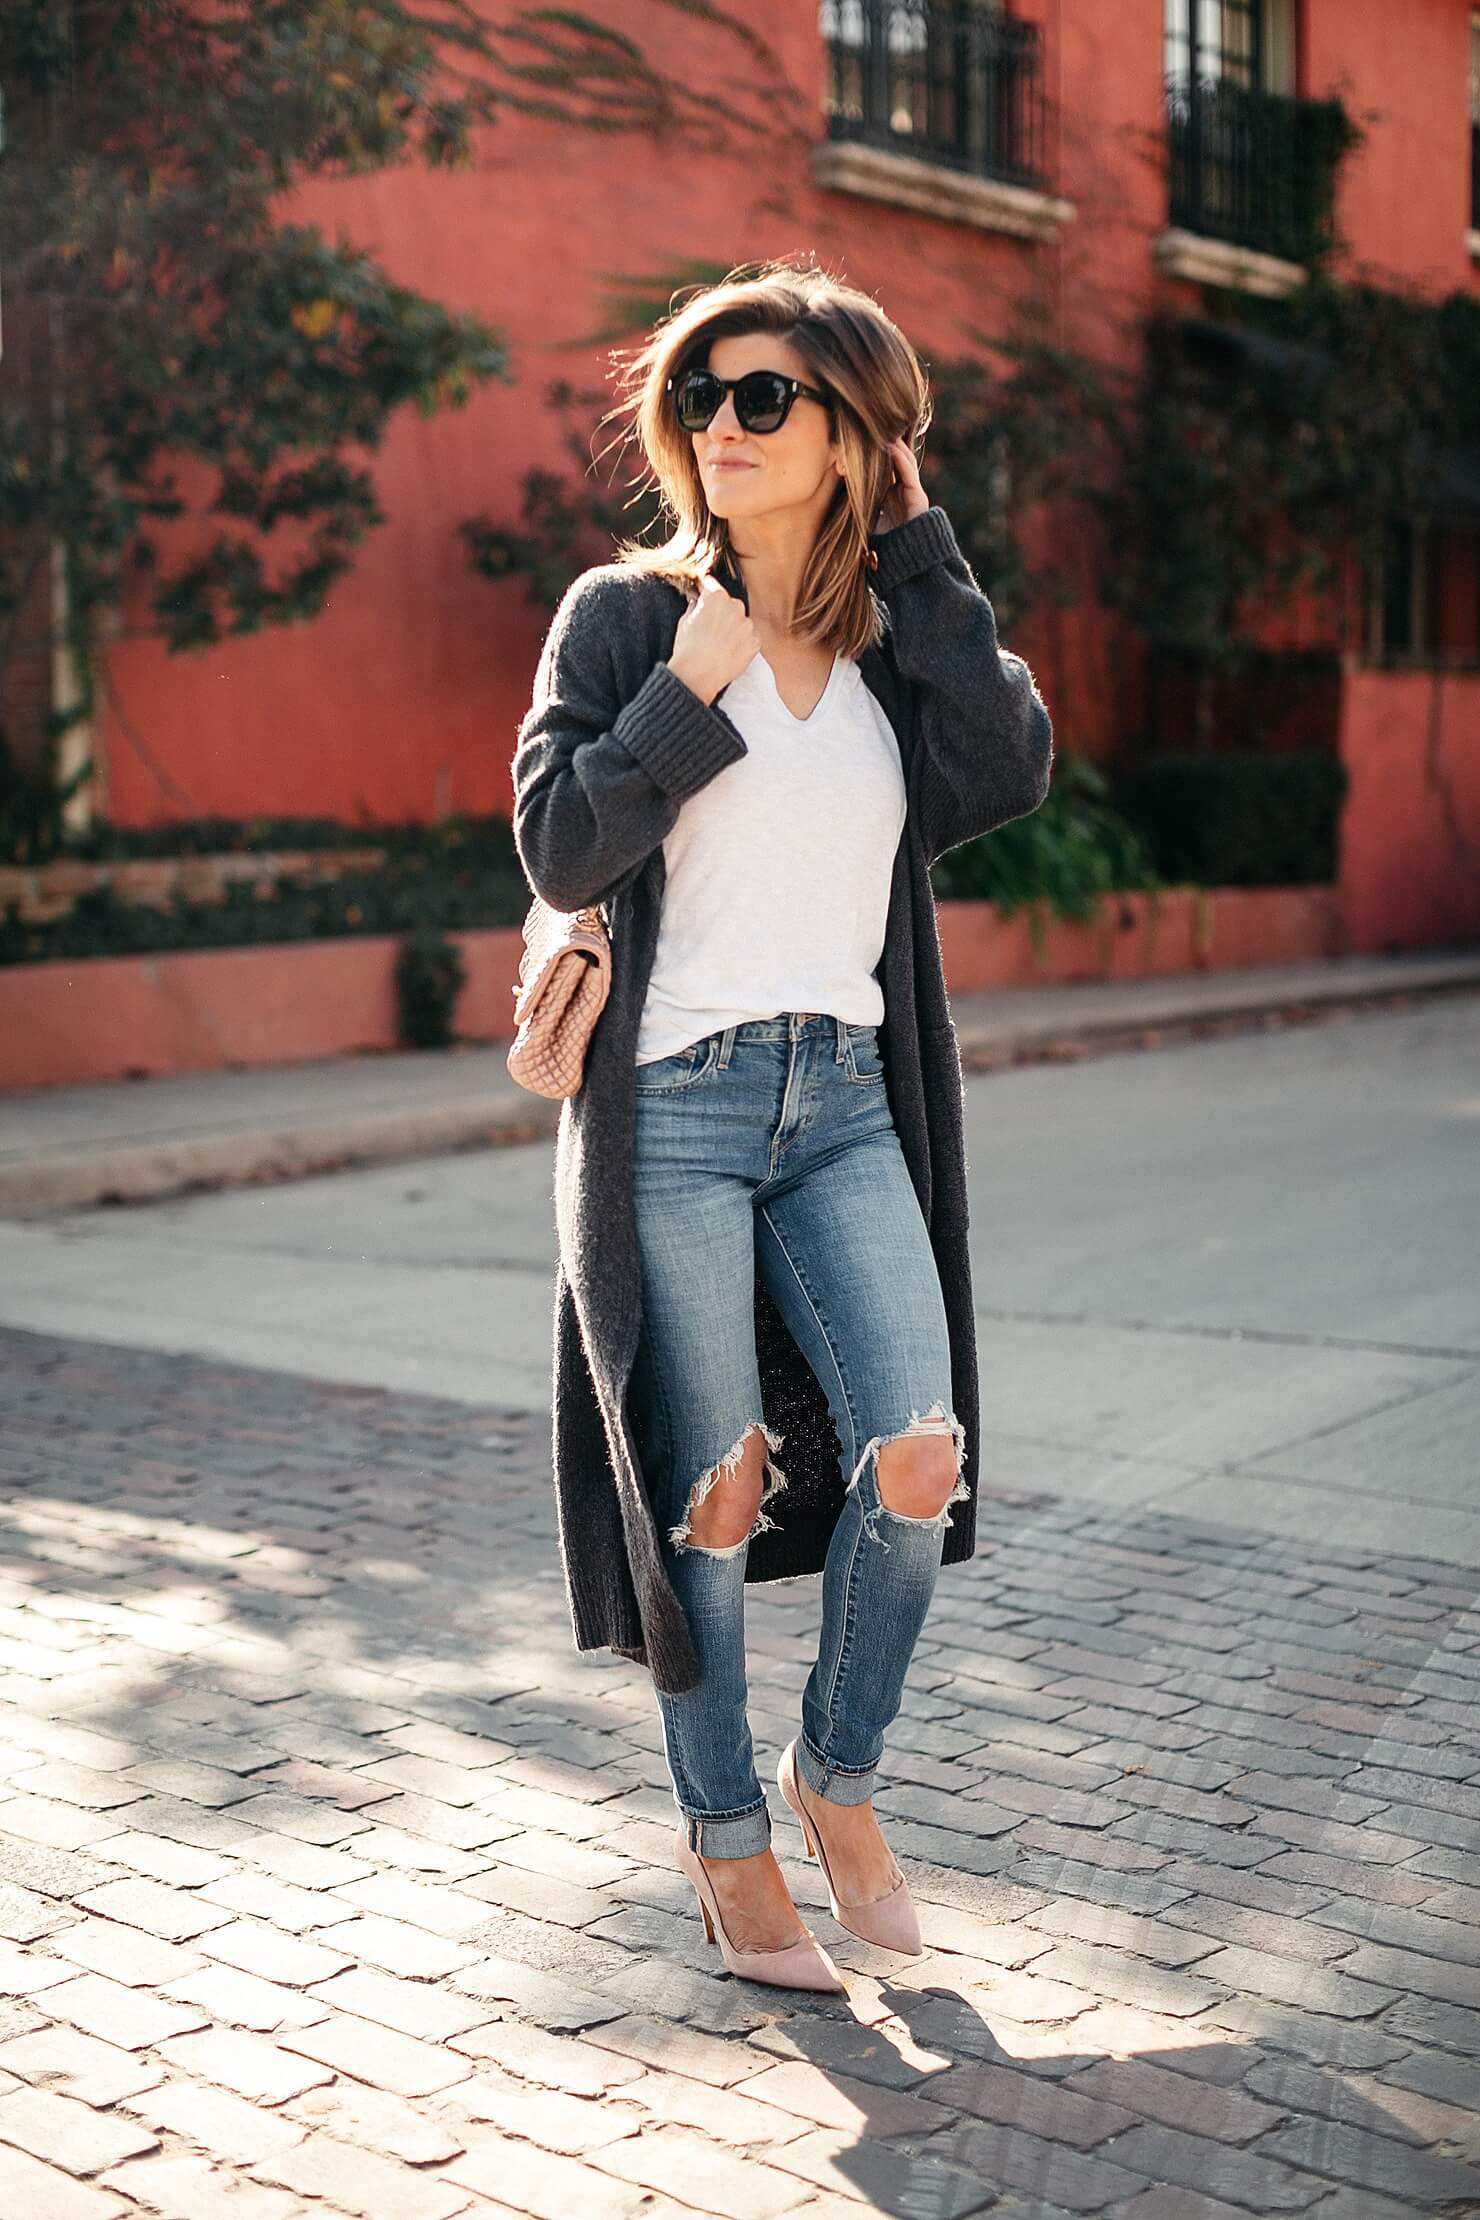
{"type": "Point", "coordinates": [888, 1921]}
{"type": "Point", "coordinates": [803, 1964]}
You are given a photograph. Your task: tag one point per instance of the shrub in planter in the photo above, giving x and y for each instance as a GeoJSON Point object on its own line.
{"type": "Point", "coordinates": [103, 842]}
{"type": "Point", "coordinates": [463, 873]}
{"type": "Point", "coordinates": [1238, 818]}
{"type": "Point", "coordinates": [1070, 851]}
{"type": "Point", "coordinates": [430, 974]}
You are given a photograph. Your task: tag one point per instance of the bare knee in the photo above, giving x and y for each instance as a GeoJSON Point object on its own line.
{"type": "Point", "coordinates": [728, 1510]}
{"type": "Point", "coordinates": [918, 1472]}
{"type": "Point", "coordinates": [724, 1504]}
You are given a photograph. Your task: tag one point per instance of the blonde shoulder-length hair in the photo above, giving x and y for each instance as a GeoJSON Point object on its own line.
{"type": "Point", "coordinates": [858, 356]}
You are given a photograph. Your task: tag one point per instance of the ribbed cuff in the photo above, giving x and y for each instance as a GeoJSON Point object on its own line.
{"type": "Point", "coordinates": [679, 740]}
{"type": "Point", "coordinates": [913, 547]}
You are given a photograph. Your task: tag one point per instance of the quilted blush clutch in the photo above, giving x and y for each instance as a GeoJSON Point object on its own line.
{"type": "Point", "coordinates": [565, 976]}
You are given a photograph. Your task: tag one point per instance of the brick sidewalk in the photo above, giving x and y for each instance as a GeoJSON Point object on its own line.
{"type": "Point", "coordinates": [335, 1883]}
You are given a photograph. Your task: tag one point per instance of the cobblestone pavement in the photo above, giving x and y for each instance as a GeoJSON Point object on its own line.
{"type": "Point", "coordinates": [334, 1882]}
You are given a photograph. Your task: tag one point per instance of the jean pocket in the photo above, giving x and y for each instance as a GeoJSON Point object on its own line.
{"type": "Point", "coordinates": [672, 1075]}
{"type": "Point", "coordinates": [865, 1065]}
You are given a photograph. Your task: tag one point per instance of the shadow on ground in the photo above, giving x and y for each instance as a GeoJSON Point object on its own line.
{"type": "Point", "coordinates": [310, 1809]}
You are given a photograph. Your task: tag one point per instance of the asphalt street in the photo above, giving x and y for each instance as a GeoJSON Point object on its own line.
{"type": "Point", "coordinates": [334, 1882]}
{"type": "Point", "coordinates": [1238, 1278]}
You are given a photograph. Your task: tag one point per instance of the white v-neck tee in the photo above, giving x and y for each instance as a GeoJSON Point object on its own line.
{"type": "Point", "coordinates": [778, 870]}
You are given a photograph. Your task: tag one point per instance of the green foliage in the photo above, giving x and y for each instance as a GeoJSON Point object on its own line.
{"type": "Point", "coordinates": [217, 836]}
{"type": "Point", "coordinates": [568, 521]}
{"type": "Point", "coordinates": [456, 875]}
{"type": "Point", "coordinates": [1068, 853]}
{"type": "Point", "coordinates": [565, 526]}
{"type": "Point", "coordinates": [213, 366]}
{"type": "Point", "coordinates": [1237, 819]}
{"type": "Point", "coordinates": [1264, 461]}
{"type": "Point", "coordinates": [1000, 441]}
{"type": "Point", "coordinates": [1320, 137]}
{"type": "Point", "coordinates": [1256, 168]}
{"type": "Point", "coordinates": [431, 973]}
{"type": "Point", "coordinates": [1026, 422]}
{"type": "Point", "coordinates": [190, 333]}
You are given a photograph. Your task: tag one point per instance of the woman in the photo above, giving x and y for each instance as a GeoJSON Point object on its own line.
{"type": "Point", "coordinates": [751, 757]}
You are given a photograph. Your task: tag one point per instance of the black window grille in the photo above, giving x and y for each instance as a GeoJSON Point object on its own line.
{"type": "Point", "coordinates": [1249, 162]}
{"type": "Point", "coordinates": [952, 81]}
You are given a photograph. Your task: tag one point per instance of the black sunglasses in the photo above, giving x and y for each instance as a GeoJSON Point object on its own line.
{"type": "Point", "coordinates": [763, 398]}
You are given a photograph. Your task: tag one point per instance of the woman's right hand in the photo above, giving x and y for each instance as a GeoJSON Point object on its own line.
{"type": "Point", "coordinates": [715, 640]}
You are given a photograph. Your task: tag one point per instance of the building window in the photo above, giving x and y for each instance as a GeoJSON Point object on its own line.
{"type": "Point", "coordinates": [957, 82]}
{"type": "Point", "coordinates": [1247, 43]}
{"type": "Point", "coordinates": [1475, 122]}
{"type": "Point", "coordinates": [1402, 605]}
{"type": "Point", "coordinates": [1424, 595]}
{"type": "Point", "coordinates": [1250, 162]}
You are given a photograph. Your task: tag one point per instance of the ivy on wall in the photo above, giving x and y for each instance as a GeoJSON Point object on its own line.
{"type": "Point", "coordinates": [176, 354]}
{"type": "Point", "coordinates": [1271, 455]}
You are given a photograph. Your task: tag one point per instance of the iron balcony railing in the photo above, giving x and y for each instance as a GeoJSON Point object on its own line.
{"type": "Point", "coordinates": [1254, 168]}
{"type": "Point", "coordinates": [951, 81]}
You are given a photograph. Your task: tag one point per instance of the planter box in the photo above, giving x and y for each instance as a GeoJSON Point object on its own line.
{"type": "Point", "coordinates": [43, 892]}
{"type": "Point", "coordinates": [120, 1017]}
{"type": "Point", "coordinates": [1142, 936]}
{"type": "Point", "coordinates": [136, 1017]}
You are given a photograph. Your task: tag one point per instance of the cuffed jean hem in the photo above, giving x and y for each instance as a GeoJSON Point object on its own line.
{"type": "Point", "coordinates": [740, 1834]}
{"type": "Point", "coordinates": [832, 1782]}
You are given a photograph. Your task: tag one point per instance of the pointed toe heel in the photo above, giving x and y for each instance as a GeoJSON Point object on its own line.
{"type": "Point", "coordinates": [889, 1921]}
{"type": "Point", "coordinates": [803, 1964]}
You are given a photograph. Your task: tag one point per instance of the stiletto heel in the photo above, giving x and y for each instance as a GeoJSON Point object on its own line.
{"type": "Point", "coordinates": [803, 1964]}
{"type": "Point", "coordinates": [889, 1921]}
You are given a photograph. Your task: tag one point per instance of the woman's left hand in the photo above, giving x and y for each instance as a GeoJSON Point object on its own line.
{"type": "Point", "coordinates": [906, 498]}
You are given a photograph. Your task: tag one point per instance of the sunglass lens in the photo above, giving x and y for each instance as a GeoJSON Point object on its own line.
{"type": "Point", "coordinates": [761, 401]}
{"type": "Point", "coordinates": [696, 399]}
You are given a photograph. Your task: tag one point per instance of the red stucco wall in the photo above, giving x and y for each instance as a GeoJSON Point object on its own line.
{"type": "Point", "coordinates": [403, 699]}
{"type": "Point", "coordinates": [1410, 840]}
{"type": "Point", "coordinates": [1403, 73]}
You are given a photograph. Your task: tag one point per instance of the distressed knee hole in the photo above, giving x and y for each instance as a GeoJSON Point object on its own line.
{"type": "Point", "coordinates": [916, 1487]}
{"type": "Point", "coordinates": [727, 1504]}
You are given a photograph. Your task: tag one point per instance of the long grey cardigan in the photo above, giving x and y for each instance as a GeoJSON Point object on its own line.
{"type": "Point", "coordinates": [611, 747]}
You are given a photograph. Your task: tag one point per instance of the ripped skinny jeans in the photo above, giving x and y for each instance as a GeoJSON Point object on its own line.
{"type": "Point", "coordinates": [770, 1147]}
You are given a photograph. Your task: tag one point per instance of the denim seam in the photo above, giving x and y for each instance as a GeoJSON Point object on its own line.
{"type": "Point", "coordinates": [665, 1415]}
{"type": "Point", "coordinates": [854, 1076]}
{"type": "Point", "coordinates": [699, 1068]}
{"type": "Point", "coordinates": [845, 1640]}
{"type": "Point", "coordinates": [848, 1593]}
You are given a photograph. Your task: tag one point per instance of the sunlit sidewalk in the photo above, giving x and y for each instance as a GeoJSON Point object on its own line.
{"type": "Point", "coordinates": [123, 1140]}
{"type": "Point", "coordinates": [335, 1882]}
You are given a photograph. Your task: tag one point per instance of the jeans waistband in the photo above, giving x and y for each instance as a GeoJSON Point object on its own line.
{"type": "Point", "coordinates": [788, 1025]}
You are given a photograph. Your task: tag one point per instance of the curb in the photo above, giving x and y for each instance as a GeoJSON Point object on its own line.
{"type": "Point", "coordinates": [1183, 1019]}
{"type": "Point", "coordinates": [507, 1116]}
{"type": "Point", "coordinates": [157, 1170]}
